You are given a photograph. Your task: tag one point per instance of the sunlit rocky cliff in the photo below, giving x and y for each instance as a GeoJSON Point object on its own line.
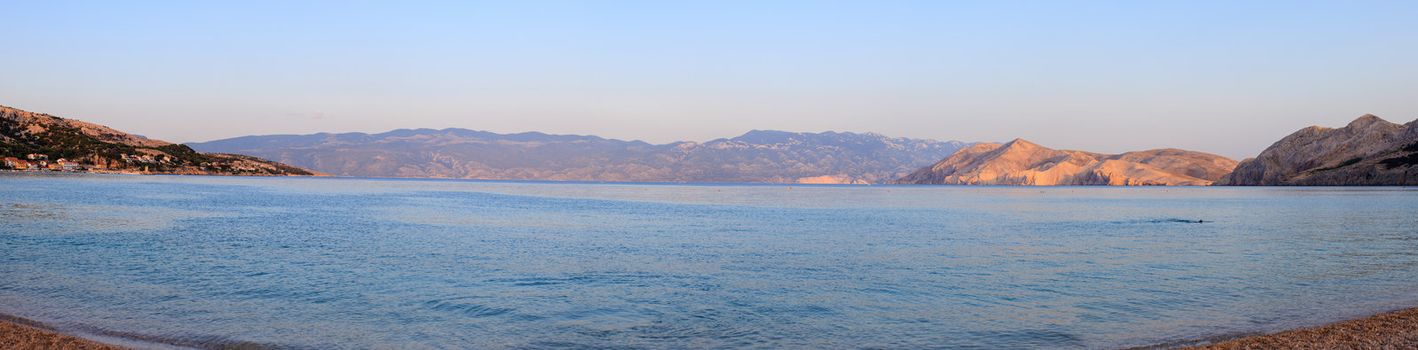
{"type": "Point", "coordinates": [1368, 151]}
{"type": "Point", "coordinates": [1021, 162]}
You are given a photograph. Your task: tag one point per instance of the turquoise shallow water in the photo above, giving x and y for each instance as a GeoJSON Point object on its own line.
{"type": "Point", "coordinates": [367, 263]}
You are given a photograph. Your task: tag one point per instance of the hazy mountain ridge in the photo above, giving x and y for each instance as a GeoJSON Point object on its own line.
{"type": "Point", "coordinates": [1020, 162]}
{"type": "Point", "coordinates": [1367, 151]}
{"type": "Point", "coordinates": [756, 156]}
{"type": "Point", "coordinates": [92, 147]}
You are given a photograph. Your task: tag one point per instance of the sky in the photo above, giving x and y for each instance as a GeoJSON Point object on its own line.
{"type": "Point", "coordinates": [1227, 77]}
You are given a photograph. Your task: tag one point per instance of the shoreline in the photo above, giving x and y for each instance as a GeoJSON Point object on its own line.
{"type": "Point", "coordinates": [21, 333]}
{"type": "Point", "coordinates": [1387, 330]}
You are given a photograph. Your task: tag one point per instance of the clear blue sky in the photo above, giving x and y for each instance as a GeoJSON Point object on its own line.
{"type": "Point", "coordinates": [1228, 77]}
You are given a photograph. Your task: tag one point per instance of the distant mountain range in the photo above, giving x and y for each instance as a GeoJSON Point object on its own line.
{"type": "Point", "coordinates": [36, 141]}
{"type": "Point", "coordinates": [757, 156]}
{"type": "Point", "coordinates": [1021, 162]}
{"type": "Point", "coordinates": [1368, 151]}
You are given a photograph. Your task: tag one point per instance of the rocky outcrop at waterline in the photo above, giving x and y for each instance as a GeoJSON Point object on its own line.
{"type": "Point", "coordinates": [1369, 151]}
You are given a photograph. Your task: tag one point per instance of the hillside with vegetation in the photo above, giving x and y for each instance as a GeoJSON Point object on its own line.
{"type": "Point", "coordinates": [37, 141]}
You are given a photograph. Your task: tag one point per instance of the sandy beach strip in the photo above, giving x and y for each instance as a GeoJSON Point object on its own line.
{"type": "Point", "coordinates": [16, 335]}
{"type": "Point", "coordinates": [1389, 330]}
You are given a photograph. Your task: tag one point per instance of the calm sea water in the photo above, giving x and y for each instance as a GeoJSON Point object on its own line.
{"type": "Point", "coordinates": [359, 263]}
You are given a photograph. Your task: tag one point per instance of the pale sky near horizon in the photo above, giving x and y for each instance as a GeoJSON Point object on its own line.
{"type": "Point", "coordinates": [1228, 77]}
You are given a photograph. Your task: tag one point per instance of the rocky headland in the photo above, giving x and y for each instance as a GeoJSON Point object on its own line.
{"type": "Point", "coordinates": [40, 142]}
{"type": "Point", "coordinates": [1369, 151]}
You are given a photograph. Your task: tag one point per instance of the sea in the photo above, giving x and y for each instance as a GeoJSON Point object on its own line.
{"type": "Point", "coordinates": [356, 263]}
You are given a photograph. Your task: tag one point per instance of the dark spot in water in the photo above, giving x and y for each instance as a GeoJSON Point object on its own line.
{"type": "Point", "coordinates": [1164, 221]}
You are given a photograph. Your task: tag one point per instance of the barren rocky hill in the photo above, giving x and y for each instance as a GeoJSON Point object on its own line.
{"type": "Point", "coordinates": [1021, 162]}
{"type": "Point", "coordinates": [1367, 151]}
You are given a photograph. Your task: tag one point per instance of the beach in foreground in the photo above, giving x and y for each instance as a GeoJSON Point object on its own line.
{"type": "Point", "coordinates": [14, 335]}
{"type": "Point", "coordinates": [1390, 330]}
